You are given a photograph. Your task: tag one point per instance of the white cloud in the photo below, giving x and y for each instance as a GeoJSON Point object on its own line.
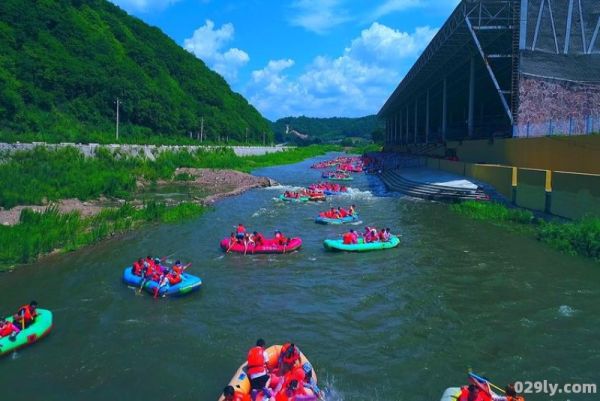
{"type": "Point", "coordinates": [207, 44]}
{"type": "Point", "coordinates": [393, 6]}
{"type": "Point", "coordinates": [318, 16]}
{"type": "Point", "coordinates": [144, 5]}
{"type": "Point", "coordinates": [354, 84]}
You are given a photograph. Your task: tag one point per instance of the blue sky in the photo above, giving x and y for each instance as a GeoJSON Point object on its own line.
{"type": "Point", "coordinates": [319, 58]}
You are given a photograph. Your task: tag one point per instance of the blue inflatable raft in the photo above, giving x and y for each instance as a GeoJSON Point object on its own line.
{"type": "Point", "coordinates": [189, 283]}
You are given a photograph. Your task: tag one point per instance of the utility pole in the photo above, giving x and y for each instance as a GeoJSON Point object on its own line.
{"type": "Point", "coordinates": [117, 130]}
{"type": "Point", "coordinates": [246, 135]}
{"type": "Point", "coordinates": [202, 129]}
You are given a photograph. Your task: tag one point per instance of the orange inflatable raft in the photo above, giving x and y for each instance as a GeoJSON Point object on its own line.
{"type": "Point", "coordinates": [240, 381]}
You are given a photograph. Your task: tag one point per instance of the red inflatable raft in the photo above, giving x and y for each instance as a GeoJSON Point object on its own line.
{"type": "Point", "coordinates": [268, 247]}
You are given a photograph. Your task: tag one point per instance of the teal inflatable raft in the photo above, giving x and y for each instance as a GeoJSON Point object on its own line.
{"type": "Point", "coordinates": [38, 329]}
{"type": "Point", "coordinates": [361, 246]}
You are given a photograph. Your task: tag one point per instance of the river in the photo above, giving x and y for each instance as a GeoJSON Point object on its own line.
{"type": "Point", "coordinates": [397, 325]}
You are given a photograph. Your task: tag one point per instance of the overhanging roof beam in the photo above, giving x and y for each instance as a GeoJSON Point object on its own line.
{"type": "Point", "coordinates": [593, 41]}
{"type": "Point", "coordinates": [490, 71]}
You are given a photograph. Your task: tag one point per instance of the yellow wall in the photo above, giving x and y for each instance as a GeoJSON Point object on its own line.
{"type": "Point", "coordinates": [577, 153]}
{"type": "Point", "coordinates": [531, 188]}
{"type": "Point", "coordinates": [498, 176]}
{"type": "Point", "coordinates": [575, 195]}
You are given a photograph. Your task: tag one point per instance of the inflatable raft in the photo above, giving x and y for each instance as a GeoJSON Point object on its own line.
{"type": "Point", "coordinates": [334, 178]}
{"type": "Point", "coordinates": [189, 283]}
{"type": "Point", "coordinates": [38, 329]}
{"type": "Point", "coordinates": [299, 199]}
{"type": "Point", "coordinates": [240, 381]}
{"type": "Point", "coordinates": [451, 394]}
{"type": "Point", "coordinates": [269, 247]}
{"type": "Point", "coordinates": [343, 220]}
{"type": "Point", "coordinates": [361, 246]}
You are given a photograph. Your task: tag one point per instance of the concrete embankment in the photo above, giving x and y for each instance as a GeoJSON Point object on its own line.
{"type": "Point", "coordinates": [149, 151]}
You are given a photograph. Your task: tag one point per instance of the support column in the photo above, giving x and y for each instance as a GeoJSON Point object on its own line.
{"type": "Point", "coordinates": [416, 117]}
{"type": "Point", "coordinates": [400, 126]}
{"type": "Point", "coordinates": [470, 121]}
{"type": "Point", "coordinates": [396, 129]}
{"type": "Point", "coordinates": [407, 121]}
{"type": "Point", "coordinates": [427, 119]}
{"type": "Point", "coordinates": [445, 109]}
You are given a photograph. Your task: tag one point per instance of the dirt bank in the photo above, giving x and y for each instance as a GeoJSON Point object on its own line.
{"type": "Point", "coordinates": [217, 183]}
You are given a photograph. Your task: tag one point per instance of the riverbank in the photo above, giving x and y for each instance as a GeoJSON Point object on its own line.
{"type": "Point", "coordinates": [61, 200]}
{"type": "Point", "coordinates": [580, 237]}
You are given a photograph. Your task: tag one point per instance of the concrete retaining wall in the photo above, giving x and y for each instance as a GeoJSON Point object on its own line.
{"type": "Point", "coordinates": [146, 150]}
{"type": "Point", "coordinates": [575, 195]}
{"type": "Point", "coordinates": [531, 189]}
{"type": "Point", "coordinates": [565, 194]}
{"type": "Point", "coordinates": [580, 154]}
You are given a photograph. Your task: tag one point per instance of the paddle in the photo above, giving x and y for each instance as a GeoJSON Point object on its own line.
{"type": "Point", "coordinates": [483, 379]}
{"type": "Point", "coordinates": [231, 244]}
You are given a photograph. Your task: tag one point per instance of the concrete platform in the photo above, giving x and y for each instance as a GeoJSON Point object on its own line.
{"type": "Point", "coordinates": [436, 177]}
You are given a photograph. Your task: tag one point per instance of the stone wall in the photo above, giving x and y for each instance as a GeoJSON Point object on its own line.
{"type": "Point", "coordinates": [148, 151]}
{"type": "Point", "coordinates": [543, 100]}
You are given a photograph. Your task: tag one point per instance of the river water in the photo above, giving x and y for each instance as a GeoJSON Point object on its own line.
{"type": "Point", "coordinates": [396, 325]}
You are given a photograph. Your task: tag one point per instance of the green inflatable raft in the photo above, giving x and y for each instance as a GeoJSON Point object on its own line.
{"type": "Point", "coordinates": [38, 329]}
{"type": "Point", "coordinates": [361, 246]}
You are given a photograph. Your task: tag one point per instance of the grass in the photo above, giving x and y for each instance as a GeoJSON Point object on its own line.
{"type": "Point", "coordinates": [581, 237]}
{"type": "Point", "coordinates": [41, 233]}
{"type": "Point", "coordinates": [41, 175]}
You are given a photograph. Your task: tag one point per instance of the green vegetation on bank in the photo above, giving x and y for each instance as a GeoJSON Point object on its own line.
{"type": "Point", "coordinates": [42, 175]}
{"type": "Point", "coordinates": [41, 233]}
{"type": "Point", "coordinates": [580, 237]}
{"type": "Point", "coordinates": [63, 63]}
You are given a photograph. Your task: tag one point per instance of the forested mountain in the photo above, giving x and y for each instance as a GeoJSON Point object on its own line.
{"type": "Point", "coordinates": [63, 63]}
{"type": "Point", "coordinates": [326, 129]}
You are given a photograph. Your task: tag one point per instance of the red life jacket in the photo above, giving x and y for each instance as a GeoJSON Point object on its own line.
{"type": "Point", "coordinates": [137, 269]}
{"type": "Point", "coordinates": [26, 312]}
{"type": "Point", "coordinates": [241, 229]}
{"type": "Point", "coordinates": [256, 362]}
{"type": "Point", "coordinates": [481, 395]}
{"type": "Point", "coordinates": [347, 238]}
{"type": "Point", "coordinates": [7, 330]}
{"type": "Point", "coordinates": [178, 269]}
{"type": "Point", "coordinates": [239, 396]}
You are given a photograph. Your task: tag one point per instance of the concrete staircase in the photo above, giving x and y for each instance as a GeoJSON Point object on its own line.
{"type": "Point", "coordinates": [395, 182]}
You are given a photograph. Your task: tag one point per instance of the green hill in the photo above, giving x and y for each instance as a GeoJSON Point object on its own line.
{"type": "Point", "coordinates": [326, 129]}
{"type": "Point", "coordinates": [64, 62]}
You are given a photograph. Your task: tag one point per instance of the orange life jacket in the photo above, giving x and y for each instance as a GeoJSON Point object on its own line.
{"type": "Point", "coordinates": [178, 269]}
{"type": "Point", "coordinates": [256, 361]}
{"type": "Point", "coordinates": [174, 278]}
{"type": "Point", "coordinates": [239, 396]}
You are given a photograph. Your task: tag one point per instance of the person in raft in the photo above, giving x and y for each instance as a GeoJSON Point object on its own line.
{"type": "Point", "coordinates": [26, 315]}
{"type": "Point", "coordinates": [480, 392]}
{"type": "Point", "coordinates": [280, 239]}
{"type": "Point", "coordinates": [293, 391]}
{"type": "Point", "coordinates": [352, 210]}
{"type": "Point", "coordinates": [350, 238]}
{"type": "Point", "coordinates": [230, 394]}
{"type": "Point", "coordinates": [240, 232]}
{"type": "Point", "coordinates": [257, 369]}
{"type": "Point", "coordinates": [8, 328]}
{"type": "Point", "coordinates": [259, 239]}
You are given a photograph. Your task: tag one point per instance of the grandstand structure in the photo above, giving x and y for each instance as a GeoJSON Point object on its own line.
{"type": "Point", "coordinates": [502, 68]}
